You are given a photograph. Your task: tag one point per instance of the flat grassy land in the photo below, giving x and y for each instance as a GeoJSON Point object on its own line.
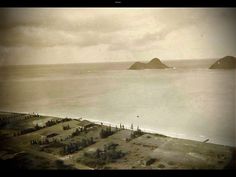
{"type": "Point", "coordinates": [46, 142]}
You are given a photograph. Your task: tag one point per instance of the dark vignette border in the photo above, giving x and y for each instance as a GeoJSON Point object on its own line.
{"type": "Point", "coordinates": [6, 170]}
{"type": "Point", "coordinates": [117, 3]}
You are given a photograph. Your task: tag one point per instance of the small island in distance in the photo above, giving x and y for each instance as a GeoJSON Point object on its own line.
{"type": "Point", "coordinates": [155, 63]}
{"type": "Point", "coordinates": [228, 62]}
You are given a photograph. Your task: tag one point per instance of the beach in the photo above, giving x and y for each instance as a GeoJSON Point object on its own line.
{"type": "Point", "coordinates": [44, 141]}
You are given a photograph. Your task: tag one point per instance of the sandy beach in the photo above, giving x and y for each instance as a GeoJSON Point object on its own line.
{"type": "Point", "coordinates": [23, 140]}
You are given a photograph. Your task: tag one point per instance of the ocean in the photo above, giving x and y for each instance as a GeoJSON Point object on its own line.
{"type": "Point", "coordinates": [190, 101]}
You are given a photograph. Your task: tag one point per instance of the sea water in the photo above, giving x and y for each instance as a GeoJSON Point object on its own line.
{"type": "Point", "coordinates": [190, 101]}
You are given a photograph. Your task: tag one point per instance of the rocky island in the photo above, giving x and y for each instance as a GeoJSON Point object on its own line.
{"type": "Point", "coordinates": [227, 62]}
{"type": "Point", "coordinates": [155, 63]}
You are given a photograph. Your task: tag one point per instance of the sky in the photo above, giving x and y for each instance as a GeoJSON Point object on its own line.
{"type": "Point", "coordinates": [84, 35]}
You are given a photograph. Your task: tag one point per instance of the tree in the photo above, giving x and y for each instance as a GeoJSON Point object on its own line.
{"type": "Point", "coordinates": [37, 127]}
{"type": "Point", "coordinates": [91, 140]}
{"type": "Point", "coordinates": [105, 133]}
{"type": "Point", "coordinates": [97, 153]}
{"type": "Point", "coordinates": [83, 142]}
{"type": "Point", "coordinates": [66, 127]}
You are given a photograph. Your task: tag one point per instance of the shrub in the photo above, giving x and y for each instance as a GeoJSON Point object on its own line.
{"type": "Point", "coordinates": [66, 127]}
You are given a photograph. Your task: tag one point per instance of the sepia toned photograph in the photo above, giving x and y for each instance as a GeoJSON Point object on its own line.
{"type": "Point", "coordinates": [118, 88]}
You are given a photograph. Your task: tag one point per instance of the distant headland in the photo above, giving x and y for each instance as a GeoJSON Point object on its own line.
{"type": "Point", "coordinates": [228, 62]}
{"type": "Point", "coordinates": [155, 63]}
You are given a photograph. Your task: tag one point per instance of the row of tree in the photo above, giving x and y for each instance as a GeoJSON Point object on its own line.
{"type": "Point", "coordinates": [73, 147]}
{"type": "Point", "coordinates": [122, 127]}
{"type": "Point", "coordinates": [66, 127]}
{"type": "Point", "coordinates": [135, 134]}
{"type": "Point", "coordinates": [57, 121]}
{"type": "Point", "coordinates": [40, 142]}
{"type": "Point", "coordinates": [106, 132]}
{"type": "Point", "coordinates": [37, 127]}
{"type": "Point", "coordinates": [101, 157]}
{"type": "Point", "coordinates": [46, 140]}
{"type": "Point", "coordinates": [25, 131]}
{"type": "Point", "coordinates": [11, 116]}
{"type": "Point", "coordinates": [8, 119]}
{"type": "Point", "coordinates": [78, 131]}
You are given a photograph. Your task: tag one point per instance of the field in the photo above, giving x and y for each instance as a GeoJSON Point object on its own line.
{"type": "Point", "coordinates": [32, 141]}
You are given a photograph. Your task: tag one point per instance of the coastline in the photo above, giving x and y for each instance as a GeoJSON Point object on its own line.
{"type": "Point", "coordinates": [127, 126]}
{"type": "Point", "coordinates": [137, 148]}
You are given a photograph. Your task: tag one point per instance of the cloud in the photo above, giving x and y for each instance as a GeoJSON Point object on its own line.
{"type": "Point", "coordinates": [62, 19]}
{"type": "Point", "coordinates": [113, 34]}
{"type": "Point", "coordinates": [45, 37]}
{"type": "Point", "coordinates": [45, 28]}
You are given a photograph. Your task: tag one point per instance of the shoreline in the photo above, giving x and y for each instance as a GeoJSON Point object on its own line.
{"type": "Point", "coordinates": [81, 139]}
{"type": "Point", "coordinates": [145, 130]}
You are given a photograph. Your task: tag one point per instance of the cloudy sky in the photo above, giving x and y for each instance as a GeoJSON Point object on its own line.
{"type": "Point", "coordinates": [72, 35]}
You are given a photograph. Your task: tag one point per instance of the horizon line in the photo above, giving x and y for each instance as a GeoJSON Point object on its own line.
{"type": "Point", "coordinates": [103, 62]}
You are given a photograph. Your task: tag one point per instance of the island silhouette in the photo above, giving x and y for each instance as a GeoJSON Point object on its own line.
{"type": "Point", "coordinates": [227, 62]}
{"type": "Point", "coordinates": [155, 63]}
